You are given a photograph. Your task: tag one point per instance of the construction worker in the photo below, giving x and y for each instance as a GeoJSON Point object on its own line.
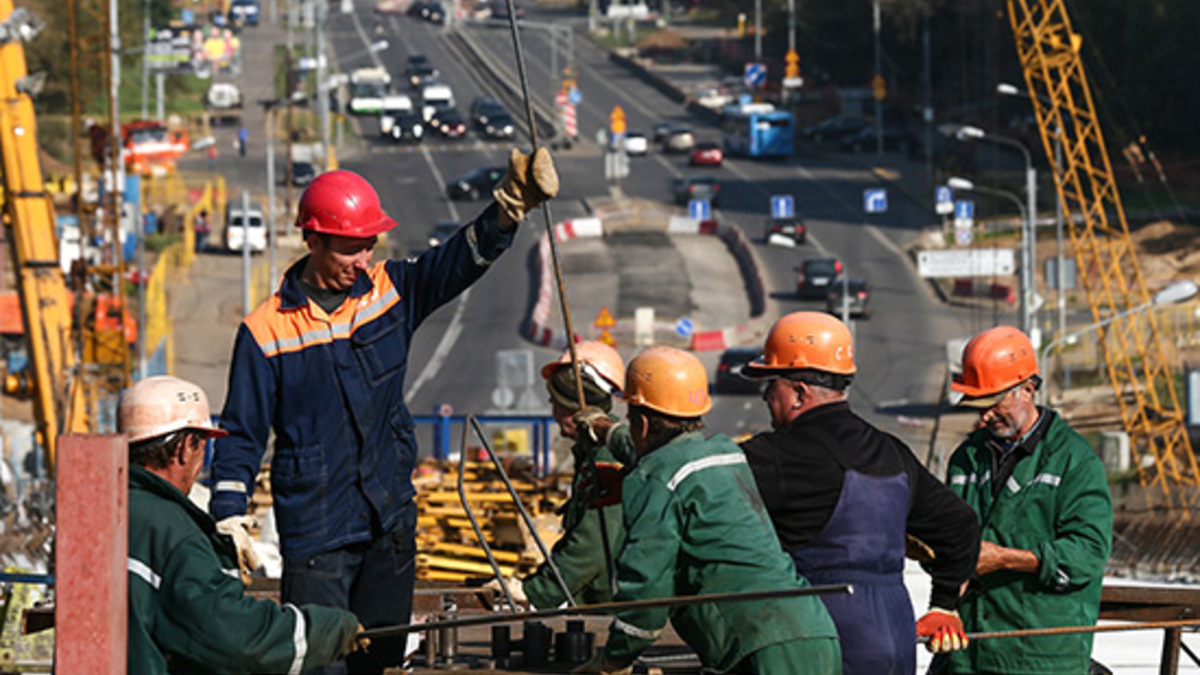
{"type": "Point", "coordinates": [580, 554]}
{"type": "Point", "coordinates": [843, 494]}
{"type": "Point", "coordinates": [188, 611]}
{"type": "Point", "coordinates": [696, 525]}
{"type": "Point", "coordinates": [1047, 515]}
{"type": "Point", "coordinates": [322, 364]}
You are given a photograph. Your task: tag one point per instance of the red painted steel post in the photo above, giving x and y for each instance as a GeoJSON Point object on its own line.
{"type": "Point", "coordinates": [90, 569]}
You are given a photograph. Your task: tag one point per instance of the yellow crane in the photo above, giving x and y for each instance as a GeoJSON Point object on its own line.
{"type": "Point", "coordinates": [58, 391]}
{"type": "Point", "coordinates": [1142, 379]}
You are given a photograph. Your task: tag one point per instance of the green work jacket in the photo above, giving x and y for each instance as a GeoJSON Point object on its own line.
{"type": "Point", "coordinates": [579, 553]}
{"type": "Point", "coordinates": [1057, 505]}
{"type": "Point", "coordinates": [695, 525]}
{"type": "Point", "coordinates": [188, 612]}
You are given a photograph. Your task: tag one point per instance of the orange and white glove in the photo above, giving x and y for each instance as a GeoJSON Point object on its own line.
{"type": "Point", "coordinates": [944, 629]}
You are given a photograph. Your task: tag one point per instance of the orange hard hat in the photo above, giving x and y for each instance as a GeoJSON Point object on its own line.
{"type": "Point", "coordinates": [995, 361]}
{"type": "Point", "coordinates": [160, 405]}
{"type": "Point", "coordinates": [597, 362]}
{"type": "Point", "coordinates": [805, 341]}
{"type": "Point", "coordinates": [344, 204]}
{"type": "Point", "coordinates": [670, 381]}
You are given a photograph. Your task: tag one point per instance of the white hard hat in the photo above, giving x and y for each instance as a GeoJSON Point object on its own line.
{"type": "Point", "coordinates": [160, 405]}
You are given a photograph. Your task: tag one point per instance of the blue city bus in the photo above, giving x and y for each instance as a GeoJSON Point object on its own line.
{"type": "Point", "coordinates": [758, 130]}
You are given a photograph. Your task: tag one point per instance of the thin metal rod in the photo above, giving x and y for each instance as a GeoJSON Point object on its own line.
{"type": "Point", "coordinates": [608, 608]}
{"type": "Point", "coordinates": [1070, 630]}
{"type": "Point", "coordinates": [487, 550]}
{"type": "Point", "coordinates": [537, 539]}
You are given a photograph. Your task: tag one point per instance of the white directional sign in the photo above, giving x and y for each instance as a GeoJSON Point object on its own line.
{"type": "Point", "coordinates": [875, 200]}
{"type": "Point", "coordinates": [976, 262]}
{"type": "Point", "coordinates": [783, 206]}
{"type": "Point", "coordinates": [943, 201]}
{"type": "Point", "coordinates": [699, 209]}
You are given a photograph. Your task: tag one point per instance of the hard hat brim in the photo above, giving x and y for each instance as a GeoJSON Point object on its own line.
{"type": "Point", "coordinates": [982, 402]}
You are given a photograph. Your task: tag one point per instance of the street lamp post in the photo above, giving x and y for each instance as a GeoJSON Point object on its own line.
{"type": "Point", "coordinates": [1171, 294]}
{"type": "Point", "coordinates": [1027, 255]}
{"type": "Point", "coordinates": [1024, 279]}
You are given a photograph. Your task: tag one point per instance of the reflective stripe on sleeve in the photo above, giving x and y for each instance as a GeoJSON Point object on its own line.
{"type": "Point", "coordinates": [230, 486]}
{"type": "Point", "coordinates": [692, 467]}
{"type": "Point", "coordinates": [632, 630]}
{"type": "Point", "coordinates": [473, 244]}
{"type": "Point", "coordinates": [299, 641]}
{"type": "Point", "coordinates": [142, 570]}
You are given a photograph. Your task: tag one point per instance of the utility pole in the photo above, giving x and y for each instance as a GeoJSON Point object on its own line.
{"type": "Point", "coordinates": [118, 170]}
{"type": "Point", "coordinates": [159, 82]}
{"type": "Point", "coordinates": [270, 121]}
{"type": "Point", "coordinates": [927, 51]}
{"type": "Point", "coordinates": [878, 78]}
{"type": "Point", "coordinates": [757, 30]}
{"type": "Point", "coordinates": [145, 60]}
{"type": "Point", "coordinates": [791, 25]}
{"type": "Point", "coordinates": [322, 93]}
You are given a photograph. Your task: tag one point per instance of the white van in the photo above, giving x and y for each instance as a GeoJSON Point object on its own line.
{"type": "Point", "coordinates": [434, 98]}
{"type": "Point", "coordinates": [393, 105]}
{"type": "Point", "coordinates": [237, 232]}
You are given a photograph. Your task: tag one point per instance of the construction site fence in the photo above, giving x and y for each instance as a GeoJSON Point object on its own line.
{"type": "Point", "coordinates": [515, 433]}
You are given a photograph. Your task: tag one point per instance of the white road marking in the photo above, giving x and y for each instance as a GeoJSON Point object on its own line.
{"type": "Point", "coordinates": [443, 349]}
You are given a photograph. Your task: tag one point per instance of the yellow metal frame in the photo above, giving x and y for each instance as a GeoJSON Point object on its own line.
{"type": "Point", "coordinates": [1049, 51]}
{"type": "Point", "coordinates": [29, 215]}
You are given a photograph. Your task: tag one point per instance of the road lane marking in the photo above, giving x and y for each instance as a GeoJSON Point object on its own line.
{"type": "Point", "coordinates": [443, 349]}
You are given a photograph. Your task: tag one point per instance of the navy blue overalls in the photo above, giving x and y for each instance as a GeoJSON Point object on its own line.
{"type": "Point", "coordinates": [863, 544]}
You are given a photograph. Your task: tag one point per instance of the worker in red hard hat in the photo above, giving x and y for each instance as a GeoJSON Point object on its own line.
{"type": "Point", "coordinates": [843, 495]}
{"type": "Point", "coordinates": [322, 363]}
{"type": "Point", "coordinates": [188, 610]}
{"type": "Point", "coordinates": [1047, 516]}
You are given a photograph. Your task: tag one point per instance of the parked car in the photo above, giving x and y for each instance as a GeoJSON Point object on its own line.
{"type": "Point", "coordinates": [303, 173]}
{"type": "Point", "coordinates": [707, 154]}
{"type": "Point", "coordinates": [729, 378]}
{"type": "Point", "coordinates": [475, 184]}
{"type": "Point", "coordinates": [678, 139]}
{"type": "Point", "coordinates": [443, 230]}
{"type": "Point", "coordinates": [449, 123]}
{"type": "Point", "coordinates": [814, 276]}
{"type": "Point", "coordinates": [785, 232]}
{"type": "Point", "coordinates": [895, 138]}
{"type": "Point", "coordinates": [834, 129]}
{"type": "Point", "coordinates": [636, 144]}
{"type": "Point", "coordinates": [691, 188]}
{"type": "Point", "coordinates": [407, 127]}
{"type": "Point", "coordinates": [859, 298]}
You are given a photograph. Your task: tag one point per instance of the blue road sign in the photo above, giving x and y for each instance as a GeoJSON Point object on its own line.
{"type": "Point", "coordinates": [684, 327]}
{"type": "Point", "coordinates": [944, 195]}
{"type": "Point", "coordinates": [755, 75]}
{"type": "Point", "coordinates": [575, 96]}
{"type": "Point", "coordinates": [875, 200]}
{"type": "Point", "coordinates": [783, 206]}
{"type": "Point", "coordinates": [699, 209]}
{"type": "Point", "coordinates": [964, 209]}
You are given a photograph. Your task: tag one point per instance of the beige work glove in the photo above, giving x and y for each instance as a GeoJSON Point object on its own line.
{"type": "Point", "coordinates": [600, 665]}
{"type": "Point", "coordinates": [528, 183]}
{"type": "Point", "coordinates": [596, 423]}
{"type": "Point", "coordinates": [515, 588]}
{"type": "Point", "coordinates": [238, 527]}
{"type": "Point", "coordinates": [355, 643]}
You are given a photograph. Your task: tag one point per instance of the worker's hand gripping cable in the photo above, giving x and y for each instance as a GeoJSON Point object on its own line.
{"type": "Point", "coordinates": [530, 181]}
{"type": "Point", "coordinates": [944, 630]}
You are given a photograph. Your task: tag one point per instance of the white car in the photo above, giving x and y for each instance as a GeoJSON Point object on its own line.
{"type": "Point", "coordinates": [636, 144]}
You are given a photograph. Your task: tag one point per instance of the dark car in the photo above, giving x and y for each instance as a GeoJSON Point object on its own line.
{"type": "Point", "coordinates": [859, 297]}
{"type": "Point", "coordinates": [420, 74]}
{"type": "Point", "coordinates": [303, 173]}
{"type": "Point", "coordinates": [429, 11]}
{"type": "Point", "coordinates": [896, 137]}
{"type": "Point", "coordinates": [784, 231]}
{"type": "Point", "coordinates": [499, 10]}
{"type": "Point", "coordinates": [443, 230]}
{"type": "Point", "coordinates": [449, 123]}
{"type": "Point", "coordinates": [691, 188]}
{"type": "Point", "coordinates": [834, 129]}
{"type": "Point", "coordinates": [815, 275]}
{"type": "Point", "coordinates": [407, 127]}
{"type": "Point", "coordinates": [475, 184]}
{"type": "Point", "coordinates": [490, 118]}
{"type": "Point", "coordinates": [729, 378]}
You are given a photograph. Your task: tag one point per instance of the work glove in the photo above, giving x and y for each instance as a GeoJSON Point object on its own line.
{"type": "Point", "coordinates": [515, 588]}
{"type": "Point", "coordinates": [595, 422]}
{"type": "Point", "coordinates": [915, 549]}
{"type": "Point", "coordinates": [944, 629]}
{"type": "Point", "coordinates": [602, 486]}
{"type": "Point", "coordinates": [600, 665]}
{"type": "Point", "coordinates": [238, 527]}
{"type": "Point", "coordinates": [355, 642]}
{"type": "Point", "coordinates": [529, 182]}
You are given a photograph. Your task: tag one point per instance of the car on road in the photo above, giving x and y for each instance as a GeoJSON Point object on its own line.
{"type": "Point", "coordinates": [859, 298]}
{"type": "Point", "coordinates": [636, 144]}
{"type": "Point", "coordinates": [692, 188]}
{"type": "Point", "coordinates": [442, 230]}
{"type": "Point", "coordinates": [420, 74]}
{"type": "Point", "coordinates": [449, 123]}
{"type": "Point", "coordinates": [407, 127]}
{"type": "Point", "coordinates": [815, 275]}
{"type": "Point", "coordinates": [785, 232]}
{"type": "Point", "coordinates": [391, 6]}
{"type": "Point", "coordinates": [707, 153]}
{"type": "Point", "coordinates": [729, 379]}
{"type": "Point", "coordinates": [834, 129]}
{"type": "Point", "coordinates": [678, 139]}
{"type": "Point", "coordinates": [432, 12]}
{"type": "Point", "coordinates": [490, 118]}
{"type": "Point", "coordinates": [393, 105]}
{"type": "Point", "coordinates": [896, 137]}
{"type": "Point", "coordinates": [475, 184]}
{"type": "Point", "coordinates": [245, 228]}
{"type": "Point", "coordinates": [223, 96]}
{"type": "Point", "coordinates": [303, 173]}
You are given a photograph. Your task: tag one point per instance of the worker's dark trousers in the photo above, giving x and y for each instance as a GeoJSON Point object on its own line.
{"type": "Point", "coordinates": [374, 580]}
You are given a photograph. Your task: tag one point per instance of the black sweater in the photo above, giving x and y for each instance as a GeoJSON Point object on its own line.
{"type": "Point", "coordinates": [800, 482]}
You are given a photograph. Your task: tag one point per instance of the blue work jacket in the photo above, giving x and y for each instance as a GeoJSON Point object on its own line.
{"type": "Point", "coordinates": [331, 386]}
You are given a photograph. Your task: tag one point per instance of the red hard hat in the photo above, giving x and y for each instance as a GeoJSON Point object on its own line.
{"type": "Point", "coordinates": [342, 203]}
